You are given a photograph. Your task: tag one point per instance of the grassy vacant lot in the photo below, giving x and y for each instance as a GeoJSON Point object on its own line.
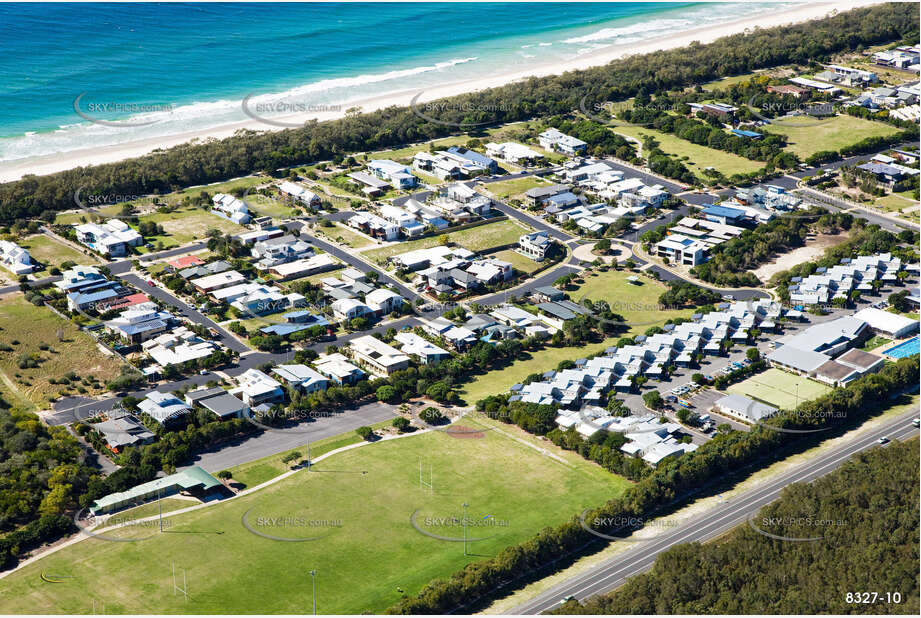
{"type": "Point", "coordinates": [408, 152]}
{"type": "Point", "coordinates": [52, 252]}
{"type": "Point", "coordinates": [347, 235]}
{"type": "Point", "coordinates": [189, 224]}
{"type": "Point", "coordinates": [780, 388]}
{"type": "Point", "coordinates": [637, 303]}
{"type": "Point", "coordinates": [477, 238]}
{"type": "Point", "coordinates": [367, 497]}
{"type": "Point", "coordinates": [699, 157]}
{"type": "Point", "coordinates": [75, 351]}
{"type": "Point", "coordinates": [264, 206]}
{"type": "Point", "coordinates": [805, 137]}
{"type": "Point", "coordinates": [520, 262]}
{"type": "Point", "coordinates": [509, 188]}
{"type": "Point", "coordinates": [896, 202]}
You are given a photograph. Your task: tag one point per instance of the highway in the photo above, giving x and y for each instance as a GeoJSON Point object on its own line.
{"type": "Point", "coordinates": [612, 573]}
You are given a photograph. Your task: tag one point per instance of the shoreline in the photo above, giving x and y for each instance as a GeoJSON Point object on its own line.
{"type": "Point", "coordinates": [49, 164]}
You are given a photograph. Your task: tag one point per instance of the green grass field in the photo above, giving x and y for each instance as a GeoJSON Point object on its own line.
{"type": "Point", "coordinates": [520, 262]}
{"type": "Point", "coordinates": [875, 342]}
{"type": "Point", "coordinates": [264, 206]}
{"type": "Point", "coordinates": [896, 202]}
{"type": "Point", "coordinates": [51, 252]}
{"type": "Point", "coordinates": [780, 388]}
{"type": "Point", "coordinates": [74, 351]}
{"type": "Point", "coordinates": [805, 137]}
{"type": "Point", "coordinates": [232, 570]}
{"type": "Point", "coordinates": [189, 224]}
{"type": "Point", "coordinates": [477, 238]}
{"type": "Point", "coordinates": [637, 303]}
{"type": "Point", "coordinates": [514, 188]}
{"type": "Point", "coordinates": [699, 157]}
{"type": "Point", "coordinates": [254, 473]}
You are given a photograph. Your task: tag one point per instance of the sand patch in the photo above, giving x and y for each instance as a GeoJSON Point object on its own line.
{"type": "Point", "coordinates": [814, 248]}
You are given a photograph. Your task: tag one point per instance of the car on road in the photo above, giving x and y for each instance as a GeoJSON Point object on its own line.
{"type": "Point", "coordinates": [567, 599]}
{"type": "Point", "coordinates": [151, 283]}
{"type": "Point", "coordinates": [916, 422]}
{"type": "Point", "coordinates": [883, 440]}
{"type": "Point", "coordinates": [728, 297]}
{"type": "Point", "coordinates": [203, 372]}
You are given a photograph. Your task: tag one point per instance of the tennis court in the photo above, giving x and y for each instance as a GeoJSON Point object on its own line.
{"type": "Point", "coordinates": [779, 388]}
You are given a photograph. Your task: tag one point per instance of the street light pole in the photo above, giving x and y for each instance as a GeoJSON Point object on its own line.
{"type": "Point", "coordinates": [313, 575]}
{"type": "Point", "coordinates": [465, 528]}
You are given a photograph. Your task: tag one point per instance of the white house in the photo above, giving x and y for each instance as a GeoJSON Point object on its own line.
{"type": "Point", "coordinates": [383, 301]}
{"type": "Point", "coordinates": [350, 308]}
{"type": "Point", "coordinates": [163, 407]}
{"type": "Point", "coordinates": [231, 208]}
{"type": "Point", "coordinates": [301, 194]}
{"type": "Point", "coordinates": [395, 173]}
{"type": "Point", "coordinates": [111, 238]}
{"type": "Point", "coordinates": [535, 246]}
{"type": "Point", "coordinates": [15, 258]}
{"type": "Point", "coordinates": [255, 387]}
{"type": "Point", "coordinates": [422, 349]}
{"type": "Point", "coordinates": [337, 368]}
{"type": "Point", "coordinates": [513, 153]}
{"type": "Point", "coordinates": [302, 377]}
{"type": "Point", "coordinates": [554, 139]}
{"type": "Point", "coordinates": [377, 355]}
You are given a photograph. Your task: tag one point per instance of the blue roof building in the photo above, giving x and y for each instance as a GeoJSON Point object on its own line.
{"type": "Point", "coordinates": [722, 214]}
{"type": "Point", "coordinates": [743, 133]}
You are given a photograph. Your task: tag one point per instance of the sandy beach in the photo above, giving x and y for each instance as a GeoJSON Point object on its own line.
{"type": "Point", "coordinates": [14, 170]}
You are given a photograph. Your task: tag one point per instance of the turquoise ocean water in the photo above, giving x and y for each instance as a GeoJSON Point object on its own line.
{"type": "Point", "coordinates": [171, 68]}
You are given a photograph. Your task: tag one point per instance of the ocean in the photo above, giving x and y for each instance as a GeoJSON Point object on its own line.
{"type": "Point", "coordinates": [163, 69]}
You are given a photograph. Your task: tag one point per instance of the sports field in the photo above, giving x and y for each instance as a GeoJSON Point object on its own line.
{"type": "Point", "coordinates": [779, 388]}
{"type": "Point", "coordinates": [359, 503]}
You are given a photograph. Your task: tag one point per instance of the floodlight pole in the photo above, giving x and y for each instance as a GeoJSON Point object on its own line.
{"type": "Point", "coordinates": [160, 509]}
{"type": "Point", "coordinates": [465, 528]}
{"type": "Point", "coordinates": [313, 575]}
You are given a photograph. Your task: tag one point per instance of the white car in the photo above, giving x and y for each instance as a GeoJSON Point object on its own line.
{"type": "Point", "coordinates": [883, 440]}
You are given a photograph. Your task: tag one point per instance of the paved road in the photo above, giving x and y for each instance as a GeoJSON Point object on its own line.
{"type": "Point", "coordinates": [272, 442]}
{"type": "Point", "coordinates": [183, 308]}
{"type": "Point", "coordinates": [531, 220]}
{"type": "Point", "coordinates": [612, 573]}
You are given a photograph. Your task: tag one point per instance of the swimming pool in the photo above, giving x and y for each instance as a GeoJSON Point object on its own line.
{"type": "Point", "coordinates": [906, 348]}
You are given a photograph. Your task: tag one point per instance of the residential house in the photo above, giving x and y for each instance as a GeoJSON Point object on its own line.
{"type": "Point", "coordinates": [397, 174]}
{"type": "Point", "coordinates": [217, 401]}
{"type": "Point", "coordinates": [16, 259]}
{"type": "Point", "coordinates": [555, 140]}
{"type": "Point", "coordinates": [383, 301]}
{"type": "Point", "coordinates": [140, 323]}
{"type": "Point", "coordinates": [373, 186]}
{"type": "Point", "coordinates": [380, 357]}
{"type": "Point", "coordinates": [337, 368]}
{"type": "Point", "coordinates": [423, 350]}
{"type": "Point", "coordinates": [302, 377]}
{"type": "Point", "coordinates": [112, 238]}
{"type": "Point", "coordinates": [535, 245]}
{"type": "Point", "coordinates": [349, 309]}
{"type": "Point", "coordinates": [165, 408]}
{"type": "Point", "coordinates": [474, 158]}
{"type": "Point", "coordinates": [212, 283]}
{"type": "Point", "coordinates": [230, 207]}
{"type": "Point", "coordinates": [255, 388]}
{"type": "Point", "coordinates": [374, 226]}
{"type": "Point", "coordinates": [513, 153]}
{"type": "Point", "coordinates": [279, 250]}
{"type": "Point", "coordinates": [123, 431]}
{"type": "Point", "coordinates": [301, 194]}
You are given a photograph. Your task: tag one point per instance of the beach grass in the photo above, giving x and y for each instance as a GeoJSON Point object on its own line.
{"type": "Point", "coordinates": [68, 350]}
{"type": "Point", "coordinates": [354, 504]}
